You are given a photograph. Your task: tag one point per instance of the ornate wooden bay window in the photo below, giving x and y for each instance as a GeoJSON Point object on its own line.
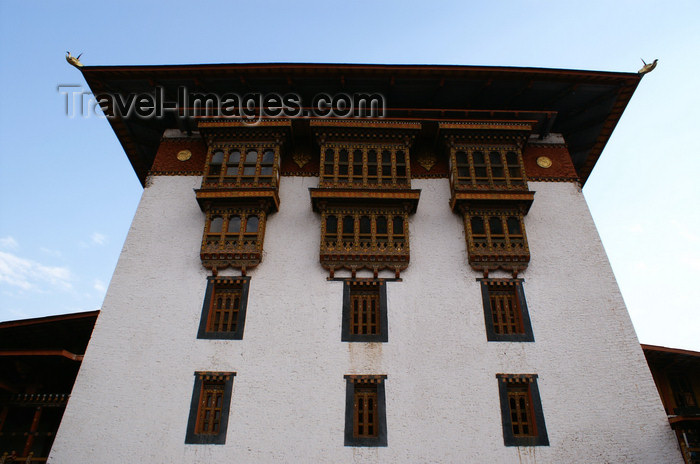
{"type": "Point", "coordinates": [233, 236]}
{"type": "Point", "coordinates": [364, 194]}
{"type": "Point", "coordinates": [489, 189]}
{"type": "Point", "coordinates": [239, 189]}
{"type": "Point", "coordinates": [495, 234]}
{"type": "Point", "coordinates": [355, 237]}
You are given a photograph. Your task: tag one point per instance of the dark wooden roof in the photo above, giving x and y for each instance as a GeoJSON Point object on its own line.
{"type": "Point", "coordinates": [43, 355]}
{"type": "Point", "coordinates": [64, 332]}
{"type": "Point", "coordinates": [672, 358]}
{"type": "Point", "coordinates": [584, 106]}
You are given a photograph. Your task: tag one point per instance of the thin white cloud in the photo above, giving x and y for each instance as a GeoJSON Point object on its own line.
{"type": "Point", "coordinates": [9, 242]}
{"type": "Point", "coordinates": [99, 286]}
{"type": "Point", "coordinates": [98, 238]}
{"type": "Point", "coordinates": [30, 275]}
{"type": "Point", "coordinates": [51, 252]}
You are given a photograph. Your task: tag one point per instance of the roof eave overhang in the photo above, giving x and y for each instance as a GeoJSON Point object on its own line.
{"type": "Point", "coordinates": [587, 105]}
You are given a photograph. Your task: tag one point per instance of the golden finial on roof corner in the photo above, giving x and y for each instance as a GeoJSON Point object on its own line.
{"type": "Point", "coordinates": [74, 60]}
{"type": "Point", "coordinates": [647, 68]}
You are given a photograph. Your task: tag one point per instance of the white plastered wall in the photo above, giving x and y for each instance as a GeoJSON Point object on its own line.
{"type": "Point", "coordinates": [131, 400]}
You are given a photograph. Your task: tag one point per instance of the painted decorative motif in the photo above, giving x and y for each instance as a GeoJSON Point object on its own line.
{"type": "Point", "coordinates": [544, 162]}
{"type": "Point", "coordinates": [427, 160]}
{"type": "Point", "coordinates": [301, 159]}
{"type": "Point", "coordinates": [184, 155]}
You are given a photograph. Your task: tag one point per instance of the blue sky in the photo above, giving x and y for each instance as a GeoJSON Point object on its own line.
{"type": "Point", "coordinates": [68, 193]}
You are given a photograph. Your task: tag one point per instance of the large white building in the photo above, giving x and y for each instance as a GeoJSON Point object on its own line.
{"type": "Point", "coordinates": [426, 286]}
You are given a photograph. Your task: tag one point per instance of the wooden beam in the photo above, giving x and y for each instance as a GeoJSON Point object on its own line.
{"type": "Point", "coordinates": [64, 353]}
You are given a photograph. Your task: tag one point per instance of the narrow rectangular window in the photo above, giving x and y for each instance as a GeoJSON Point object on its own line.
{"type": "Point", "coordinates": [364, 311]}
{"type": "Point", "coordinates": [224, 308]}
{"type": "Point", "coordinates": [365, 411]}
{"type": "Point", "coordinates": [505, 311]}
{"type": "Point", "coordinates": [521, 410]}
{"type": "Point", "coordinates": [522, 418]}
{"type": "Point", "coordinates": [209, 409]}
{"type": "Point", "coordinates": [364, 316]}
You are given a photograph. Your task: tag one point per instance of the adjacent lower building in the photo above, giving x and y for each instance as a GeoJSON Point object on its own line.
{"type": "Point", "coordinates": [676, 373]}
{"type": "Point", "coordinates": [39, 360]}
{"type": "Point", "coordinates": [373, 263]}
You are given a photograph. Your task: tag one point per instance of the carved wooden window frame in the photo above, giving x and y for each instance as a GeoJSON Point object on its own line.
{"type": "Point", "coordinates": [259, 178]}
{"type": "Point", "coordinates": [497, 330]}
{"type": "Point", "coordinates": [240, 286]}
{"type": "Point", "coordinates": [206, 384]}
{"type": "Point", "coordinates": [507, 239]}
{"type": "Point", "coordinates": [466, 170]}
{"type": "Point", "coordinates": [390, 167]}
{"type": "Point", "coordinates": [394, 240]}
{"type": "Point", "coordinates": [244, 239]}
{"type": "Point", "coordinates": [520, 399]}
{"type": "Point", "coordinates": [358, 389]}
{"type": "Point", "coordinates": [364, 299]}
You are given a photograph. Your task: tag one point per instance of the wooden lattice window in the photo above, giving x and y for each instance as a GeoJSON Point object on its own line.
{"type": "Point", "coordinates": [209, 410]}
{"type": "Point", "coordinates": [233, 230]}
{"type": "Point", "coordinates": [522, 416]}
{"type": "Point", "coordinates": [487, 168]}
{"type": "Point", "coordinates": [364, 311]}
{"type": "Point", "coordinates": [365, 165]}
{"type": "Point", "coordinates": [505, 310]}
{"type": "Point", "coordinates": [365, 414]}
{"type": "Point", "coordinates": [249, 164]}
{"type": "Point", "coordinates": [521, 410]}
{"type": "Point", "coordinates": [224, 309]}
{"type": "Point", "coordinates": [211, 405]}
{"type": "Point", "coordinates": [364, 229]}
{"type": "Point", "coordinates": [365, 411]}
{"type": "Point", "coordinates": [498, 230]}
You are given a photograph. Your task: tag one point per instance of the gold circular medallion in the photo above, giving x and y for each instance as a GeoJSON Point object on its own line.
{"type": "Point", "coordinates": [184, 155]}
{"type": "Point", "coordinates": [544, 162]}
